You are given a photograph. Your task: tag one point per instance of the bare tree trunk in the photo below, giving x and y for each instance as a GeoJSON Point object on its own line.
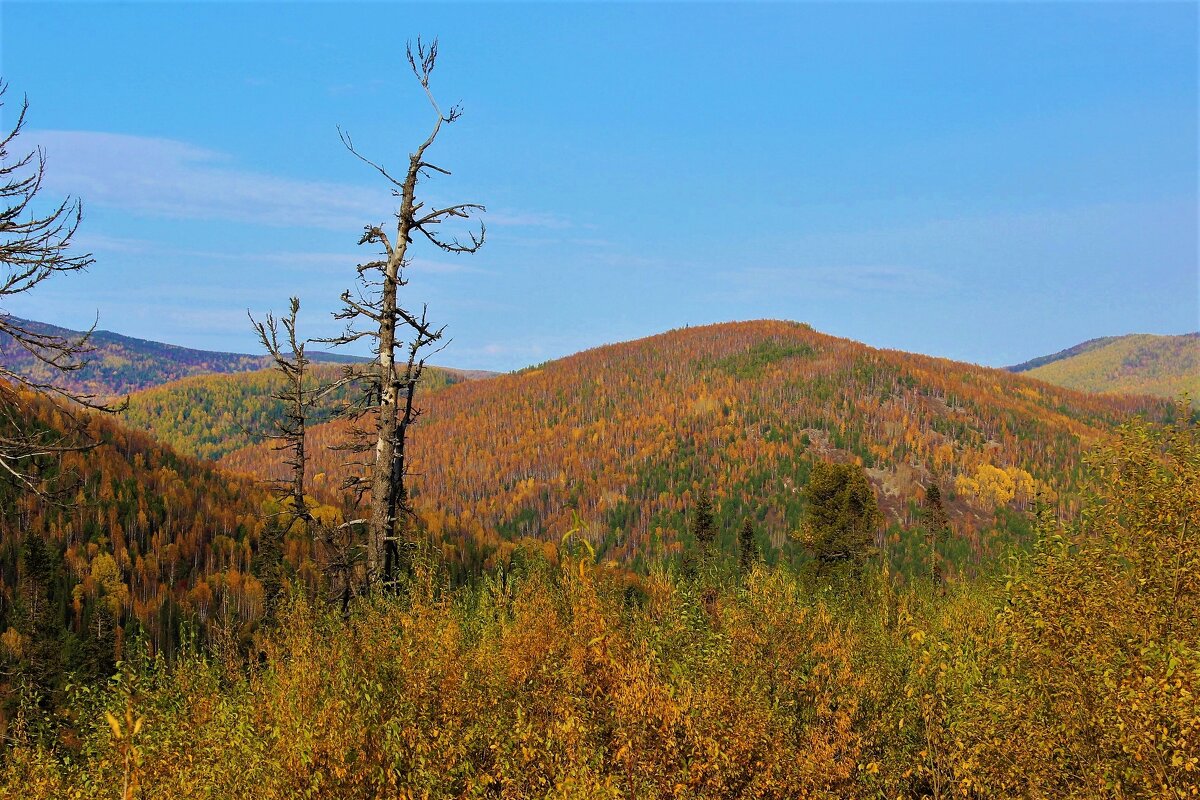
{"type": "Point", "coordinates": [383, 488]}
{"type": "Point", "coordinates": [391, 391]}
{"type": "Point", "coordinates": [300, 396]}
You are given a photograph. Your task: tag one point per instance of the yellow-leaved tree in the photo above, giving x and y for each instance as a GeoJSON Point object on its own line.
{"type": "Point", "coordinates": [1097, 695]}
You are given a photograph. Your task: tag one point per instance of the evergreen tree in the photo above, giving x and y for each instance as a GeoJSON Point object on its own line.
{"type": "Point", "coordinates": [704, 526]}
{"type": "Point", "coordinates": [271, 567]}
{"type": "Point", "coordinates": [41, 663]}
{"type": "Point", "coordinates": [748, 552]}
{"type": "Point", "coordinates": [96, 656]}
{"type": "Point", "coordinates": [938, 523]}
{"type": "Point", "coordinates": [842, 515]}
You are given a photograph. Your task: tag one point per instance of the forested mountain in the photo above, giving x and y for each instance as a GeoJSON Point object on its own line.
{"type": "Point", "coordinates": [122, 364]}
{"type": "Point", "coordinates": [140, 538]}
{"type": "Point", "coordinates": [570, 678]}
{"type": "Point", "coordinates": [144, 539]}
{"type": "Point", "coordinates": [616, 443]}
{"type": "Point", "coordinates": [623, 437]}
{"type": "Point", "coordinates": [208, 416]}
{"type": "Point", "coordinates": [1164, 366]}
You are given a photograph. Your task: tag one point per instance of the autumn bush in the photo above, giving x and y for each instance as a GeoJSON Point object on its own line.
{"type": "Point", "coordinates": [1073, 675]}
{"type": "Point", "coordinates": [1097, 691]}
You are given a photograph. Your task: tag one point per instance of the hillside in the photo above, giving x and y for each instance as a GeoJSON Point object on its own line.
{"type": "Point", "coordinates": [143, 538]}
{"type": "Point", "coordinates": [123, 364]}
{"type": "Point", "coordinates": [209, 416]}
{"type": "Point", "coordinates": [1163, 366]}
{"type": "Point", "coordinates": [623, 436]}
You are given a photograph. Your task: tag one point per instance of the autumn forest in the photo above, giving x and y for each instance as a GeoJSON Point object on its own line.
{"type": "Point", "coordinates": [731, 560]}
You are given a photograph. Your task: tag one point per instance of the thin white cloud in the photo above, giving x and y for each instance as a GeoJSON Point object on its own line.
{"type": "Point", "coordinates": [527, 219]}
{"type": "Point", "coordinates": [173, 179]}
{"type": "Point", "coordinates": [88, 241]}
{"type": "Point", "coordinates": [513, 354]}
{"type": "Point", "coordinates": [168, 178]}
{"type": "Point", "coordinates": [444, 267]}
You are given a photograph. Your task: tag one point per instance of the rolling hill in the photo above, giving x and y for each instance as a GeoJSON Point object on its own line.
{"type": "Point", "coordinates": [1163, 366]}
{"type": "Point", "coordinates": [622, 437]}
{"type": "Point", "coordinates": [614, 443]}
{"type": "Point", "coordinates": [122, 365]}
{"type": "Point", "coordinates": [209, 416]}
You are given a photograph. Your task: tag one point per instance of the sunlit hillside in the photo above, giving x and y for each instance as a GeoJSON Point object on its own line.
{"type": "Point", "coordinates": [624, 436]}
{"type": "Point", "coordinates": [1073, 675]}
{"type": "Point", "coordinates": [1163, 366]}
{"type": "Point", "coordinates": [208, 416]}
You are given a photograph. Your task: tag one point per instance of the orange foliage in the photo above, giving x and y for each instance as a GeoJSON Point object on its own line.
{"type": "Point", "coordinates": [622, 435]}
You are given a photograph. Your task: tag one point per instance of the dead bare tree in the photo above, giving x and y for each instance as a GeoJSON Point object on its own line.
{"type": "Point", "coordinates": [35, 246]}
{"type": "Point", "coordinates": [300, 396]}
{"type": "Point", "coordinates": [298, 399]}
{"type": "Point", "coordinates": [374, 312]}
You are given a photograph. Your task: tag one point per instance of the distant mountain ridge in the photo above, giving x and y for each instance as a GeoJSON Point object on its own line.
{"type": "Point", "coordinates": [122, 364]}
{"type": "Point", "coordinates": [211, 415]}
{"type": "Point", "coordinates": [1163, 366]}
{"type": "Point", "coordinates": [1079, 349]}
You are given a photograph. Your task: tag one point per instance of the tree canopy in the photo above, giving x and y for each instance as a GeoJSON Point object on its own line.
{"type": "Point", "coordinates": [842, 516]}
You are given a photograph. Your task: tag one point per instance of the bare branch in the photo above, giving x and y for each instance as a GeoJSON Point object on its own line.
{"type": "Point", "coordinates": [35, 247]}
{"type": "Point", "coordinates": [349, 143]}
{"type": "Point", "coordinates": [401, 339]}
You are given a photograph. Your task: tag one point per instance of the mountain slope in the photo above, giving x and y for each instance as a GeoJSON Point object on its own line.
{"type": "Point", "coordinates": [208, 416]}
{"type": "Point", "coordinates": [121, 365]}
{"type": "Point", "coordinates": [145, 538]}
{"type": "Point", "coordinates": [1163, 366]}
{"type": "Point", "coordinates": [623, 436]}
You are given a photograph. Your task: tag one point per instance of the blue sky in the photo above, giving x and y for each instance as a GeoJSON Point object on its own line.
{"type": "Point", "coordinates": [983, 182]}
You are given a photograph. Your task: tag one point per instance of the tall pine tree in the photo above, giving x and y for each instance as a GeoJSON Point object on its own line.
{"type": "Point", "coordinates": [704, 526]}
{"type": "Point", "coordinates": [938, 523]}
{"type": "Point", "coordinates": [748, 552]}
{"type": "Point", "coordinates": [842, 517]}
